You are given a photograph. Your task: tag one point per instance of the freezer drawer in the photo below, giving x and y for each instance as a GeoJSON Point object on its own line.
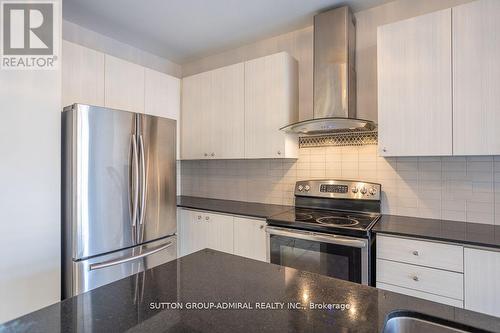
{"type": "Point", "coordinates": [89, 274]}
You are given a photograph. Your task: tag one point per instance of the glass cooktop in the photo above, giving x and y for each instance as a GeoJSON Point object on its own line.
{"type": "Point", "coordinates": [334, 221]}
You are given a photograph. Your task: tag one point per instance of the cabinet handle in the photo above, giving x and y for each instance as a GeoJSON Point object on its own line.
{"type": "Point", "coordinates": [261, 227]}
{"type": "Point", "coordinates": [384, 150]}
{"type": "Point", "coordinates": [213, 154]}
{"type": "Point", "coordinates": [205, 154]}
{"type": "Point", "coordinates": [415, 253]}
{"type": "Point", "coordinates": [415, 278]}
{"type": "Point", "coordinates": [207, 218]}
{"type": "Point", "coordinates": [279, 152]}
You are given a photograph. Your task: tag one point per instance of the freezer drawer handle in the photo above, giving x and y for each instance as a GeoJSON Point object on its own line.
{"type": "Point", "coordinates": [109, 263]}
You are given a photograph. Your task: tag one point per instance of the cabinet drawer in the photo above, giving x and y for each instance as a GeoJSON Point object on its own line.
{"type": "Point", "coordinates": [429, 280]}
{"type": "Point", "coordinates": [436, 255]}
{"type": "Point", "coordinates": [420, 294]}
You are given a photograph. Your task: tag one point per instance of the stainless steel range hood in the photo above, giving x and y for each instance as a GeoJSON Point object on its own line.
{"type": "Point", "coordinates": [334, 77]}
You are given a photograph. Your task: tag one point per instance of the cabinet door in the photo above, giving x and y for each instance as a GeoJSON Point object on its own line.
{"type": "Point", "coordinates": [192, 232]}
{"type": "Point", "coordinates": [220, 232]}
{"type": "Point", "coordinates": [250, 239]}
{"type": "Point", "coordinates": [476, 78]}
{"type": "Point", "coordinates": [270, 103]}
{"type": "Point", "coordinates": [227, 112]}
{"type": "Point", "coordinates": [82, 75]}
{"type": "Point", "coordinates": [414, 86]}
{"type": "Point", "coordinates": [482, 281]}
{"type": "Point", "coordinates": [195, 136]}
{"type": "Point", "coordinates": [163, 97]}
{"type": "Point", "coordinates": [124, 85]}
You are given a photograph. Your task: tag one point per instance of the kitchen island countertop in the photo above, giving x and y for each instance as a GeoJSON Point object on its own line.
{"type": "Point", "coordinates": [264, 298]}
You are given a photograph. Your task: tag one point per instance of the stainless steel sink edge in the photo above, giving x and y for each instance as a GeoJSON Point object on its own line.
{"type": "Point", "coordinates": [404, 321]}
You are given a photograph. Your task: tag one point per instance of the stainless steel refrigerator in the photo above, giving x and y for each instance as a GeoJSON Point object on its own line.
{"type": "Point", "coordinates": [118, 195]}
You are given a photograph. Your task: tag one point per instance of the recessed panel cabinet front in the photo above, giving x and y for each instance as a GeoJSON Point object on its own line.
{"type": "Point", "coordinates": [476, 78]}
{"type": "Point", "coordinates": [414, 86]}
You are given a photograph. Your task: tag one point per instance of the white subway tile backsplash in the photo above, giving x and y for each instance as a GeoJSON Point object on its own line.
{"type": "Point", "coordinates": [451, 188]}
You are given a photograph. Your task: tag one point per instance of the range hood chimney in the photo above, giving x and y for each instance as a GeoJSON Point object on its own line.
{"type": "Point", "coordinates": [334, 77]}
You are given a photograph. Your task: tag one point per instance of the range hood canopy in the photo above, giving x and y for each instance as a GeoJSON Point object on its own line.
{"type": "Point", "coordinates": [334, 77]}
{"type": "Point", "coordinates": [329, 125]}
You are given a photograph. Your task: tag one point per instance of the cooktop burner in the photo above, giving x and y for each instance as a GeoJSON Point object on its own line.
{"type": "Point", "coordinates": [338, 221]}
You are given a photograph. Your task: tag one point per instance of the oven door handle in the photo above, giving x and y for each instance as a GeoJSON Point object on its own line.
{"type": "Point", "coordinates": [314, 236]}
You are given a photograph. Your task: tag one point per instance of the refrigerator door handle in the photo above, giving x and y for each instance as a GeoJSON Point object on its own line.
{"type": "Point", "coordinates": [143, 180]}
{"type": "Point", "coordinates": [135, 176]}
{"type": "Point", "coordinates": [114, 262]}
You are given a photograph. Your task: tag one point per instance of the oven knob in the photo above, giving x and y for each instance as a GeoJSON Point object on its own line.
{"type": "Point", "coordinates": [363, 190]}
{"type": "Point", "coordinates": [354, 190]}
{"type": "Point", "coordinates": [373, 191]}
{"type": "Point", "coordinates": [307, 187]}
{"type": "Point", "coordinates": [300, 188]}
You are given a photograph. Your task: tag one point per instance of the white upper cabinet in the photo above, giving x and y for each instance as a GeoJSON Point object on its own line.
{"type": "Point", "coordinates": [124, 85]}
{"type": "Point", "coordinates": [91, 77]}
{"type": "Point", "coordinates": [82, 75]}
{"type": "Point", "coordinates": [213, 114]}
{"type": "Point", "coordinates": [235, 112]}
{"type": "Point", "coordinates": [271, 102]}
{"type": "Point", "coordinates": [414, 86]}
{"type": "Point", "coordinates": [476, 78]}
{"type": "Point", "coordinates": [163, 97]}
{"type": "Point", "coordinates": [482, 281]}
{"type": "Point", "coordinates": [227, 112]}
{"type": "Point", "coordinates": [195, 135]}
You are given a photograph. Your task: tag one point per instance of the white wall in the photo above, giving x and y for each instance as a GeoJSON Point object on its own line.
{"type": "Point", "coordinates": [30, 103]}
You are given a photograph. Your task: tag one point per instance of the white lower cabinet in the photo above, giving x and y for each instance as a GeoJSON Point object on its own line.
{"type": "Point", "coordinates": [192, 235]}
{"type": "Point", "coordinates": [199, 230]}
{"type": "Point", "coordinates": [242, 236]}
{"type": "Point", "coordinates": [419, 268]}
{"type": "Point", "coordinates": [250, 238]}
{"type": "Point", "coordinates": [482, 281]}
{"type": "Point", "coordinates": [219, 231]}
{"type": "Point", "coordinates": [425, 279]}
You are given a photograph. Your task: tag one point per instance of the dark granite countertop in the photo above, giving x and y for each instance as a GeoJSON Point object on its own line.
{"type": "Point", "coordinates": [442, 230]}
{"type": "Point", "coordinates": [131, 304]}
{"type": "Point", "coordinates": [253, 209]}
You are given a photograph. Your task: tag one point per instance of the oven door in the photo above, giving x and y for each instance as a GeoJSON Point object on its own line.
{"type": "Point", "coordinates": [336, 256]}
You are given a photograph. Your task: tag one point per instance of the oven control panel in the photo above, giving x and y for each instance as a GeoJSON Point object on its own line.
{"type": "Point", "coordinates": [341, 189]}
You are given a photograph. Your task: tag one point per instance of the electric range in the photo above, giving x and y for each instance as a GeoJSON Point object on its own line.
{"type": "Point", "coordinates": [328, 230]}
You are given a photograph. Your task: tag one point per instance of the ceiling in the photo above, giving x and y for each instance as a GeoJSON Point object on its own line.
{"type": "Point", "coordinates": [184, 30]}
